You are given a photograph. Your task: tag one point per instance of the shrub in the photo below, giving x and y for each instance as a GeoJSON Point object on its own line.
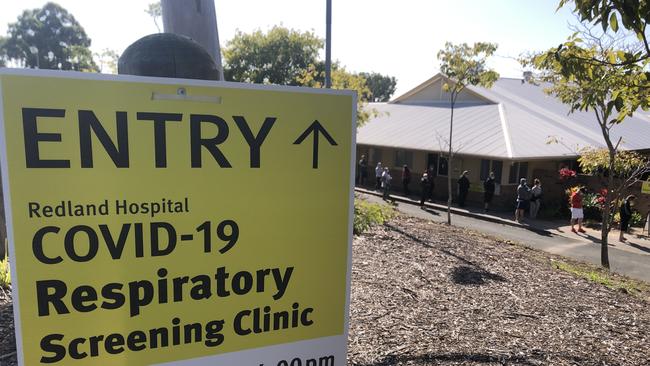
{"type": "Point", "coordinates": [637, 219]}
{"type": "Point", "coordinates": [367, 214]}
{"type": "Point", "coordinates": [5, 273]}
{"type": "Point", "coordinates": [566, 174]}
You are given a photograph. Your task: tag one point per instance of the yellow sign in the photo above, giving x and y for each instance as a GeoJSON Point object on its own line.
{"type": "Point", "coordinates": [164, 220]}
{"type": "Point", "coordinates": [645, 187]}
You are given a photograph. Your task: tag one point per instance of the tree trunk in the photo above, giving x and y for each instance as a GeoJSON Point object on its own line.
{"type": "Point", "coordinates": [604, 235]}
{"type": "Point", "coordinates": [449, 162]}
{"type": "Point", "coordinates": [607, 221]}
{"type": "Point", "coordinates": [607, 213]}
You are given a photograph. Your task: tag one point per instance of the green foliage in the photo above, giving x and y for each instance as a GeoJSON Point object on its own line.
{"type": "Point", "coordinates": [637, 220]}
{"type": "Point", "coordinates": [367, 214]}
{"type": "Point", "coordinates": [587, 85]}
{"type": "Point", "coordinates": [465, 65]}
{"type": "Point", "coordinates": [5, 272]}
{"type": "Point", "coordinates": [49, 38]}
{"type": "Point", "coordinates": [594, 79]}
{"type": "Point", "coordinates": [155, 12]}
{"type": "Point", "coordinates": [279, 56]}
{"type": "Point", "coordinates": [634, 16]}
{"type": "Point", "coordinates": [592, 207]}
{"type": "Point", "coordinates": [3, 56]}
{"type": "Point", "coordinates": [621, 75]}
{"type": "Point", "coordinates": [381, 86]}
{"type": "Point", "coordinates": [593, 161]}
{"type": "Point", "coordinates": [314, 76]}
{"type": "Point", "coordinates": [289, 57]}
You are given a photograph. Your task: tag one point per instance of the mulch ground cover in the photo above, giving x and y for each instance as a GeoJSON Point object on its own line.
{"type": "Point", "coordinates": [427, 294]}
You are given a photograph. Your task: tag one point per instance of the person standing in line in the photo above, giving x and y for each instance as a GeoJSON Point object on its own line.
{"type": "Point", "coordinates": [576, 209]}
{"type": "Point", "coordinates": [406, 180]}
{"type": "Point", "coordinates": [536, 198]}
{"type": "Point", "coordinates": [626, 216]}
{"type": "Point", "coordinates": [424, 189]}
{"type": "Point", "coordinates": [379, 170]}
{"type": "Point", "coordinates": [432, 181]}
{"type": "Point", "coordinates": [386, 179]}
{"type": "Point", "coordinates": [463, 188]}
{"type": "Point", "coordinates": [523, 197]}
{"type": "Point", "coordinates": [362, 169]}
{"type": "Point", "coordinates": [489, 187]}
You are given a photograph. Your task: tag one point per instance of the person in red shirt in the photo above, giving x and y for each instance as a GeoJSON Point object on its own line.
{"type": "Point", "coordinates": [576, 210]}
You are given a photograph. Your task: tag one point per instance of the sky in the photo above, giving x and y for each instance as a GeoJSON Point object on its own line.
{"type": "Point", "coordinates": [396, 38]}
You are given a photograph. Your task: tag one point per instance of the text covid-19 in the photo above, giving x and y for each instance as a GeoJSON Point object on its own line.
{"type": "Point", "coordinates": [81, 243]}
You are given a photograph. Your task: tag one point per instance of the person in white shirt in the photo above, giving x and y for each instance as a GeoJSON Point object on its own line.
{"type": "Point", "coordinates": [379, 170]}
{"type": "Point", "coordinates": [386, 179]}
{"type": "Point", "coordinates": [536, 198]}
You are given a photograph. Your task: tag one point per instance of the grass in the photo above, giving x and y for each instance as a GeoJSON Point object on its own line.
{"type": "Point", "coordinates": [586, 271]}
{"type": "Point", "coordinates": [603, 277]}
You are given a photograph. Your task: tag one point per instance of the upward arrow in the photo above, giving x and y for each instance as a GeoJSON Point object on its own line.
{"type": "Point", "coordinates": [316, 128]}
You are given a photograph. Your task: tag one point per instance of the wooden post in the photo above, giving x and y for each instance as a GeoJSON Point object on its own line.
{"type": "Point", "coordinates": [196, 19]}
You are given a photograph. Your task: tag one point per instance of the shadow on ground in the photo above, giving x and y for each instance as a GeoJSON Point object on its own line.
{"type": "Point", "coordinates": [468, 274]}
{"type": "Point", "coordinates": [639, 247]}
{"type": "Point", "coordinates": [465, 275]}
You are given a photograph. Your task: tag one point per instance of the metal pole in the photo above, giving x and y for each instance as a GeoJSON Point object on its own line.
{"type": "Point", "coordinates": [328, 46]}
{"type": "Point", "coordinates": [196, 19]}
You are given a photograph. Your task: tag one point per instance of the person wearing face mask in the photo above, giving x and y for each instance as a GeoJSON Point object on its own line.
{"type": "Point", "coordinates": [626, 216]}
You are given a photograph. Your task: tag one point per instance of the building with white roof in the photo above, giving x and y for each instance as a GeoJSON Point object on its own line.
{"type": "Point", "coordinates": [508, 129]}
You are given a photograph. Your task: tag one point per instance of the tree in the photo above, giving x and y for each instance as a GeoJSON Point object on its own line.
{"type": "Point", "coordinates": [463, 65]}
{"type": "Point", "coordinates": [155, 12]}
{"type": "Point", "coordinates": [611, 91]}
{"type": "Point", "coordinates": [49, 38]}
{"type": "Point", "coordinates": [381, 87]}
{"type": "Point", "coordinates": [107, 61]}
{"type": "Point", "coordinates": [279, 56]}
{"type": "Point", "coordinates": [3, 56]}
{"type": "Point", "coordinates": [314, 77]}
{"type": "Point", "coordinates": [609, 78]}
{"type": "Point", "coordinates": [634, 16]}
{"type": "Point", "coordinates": [633, 55]}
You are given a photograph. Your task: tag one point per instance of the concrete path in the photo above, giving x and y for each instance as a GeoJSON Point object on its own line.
{"type": "Point", "coordinates": [631, 259]}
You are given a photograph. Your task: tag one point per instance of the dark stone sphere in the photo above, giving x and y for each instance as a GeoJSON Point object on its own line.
{"type": "Point", "coordinates": [168, 55]}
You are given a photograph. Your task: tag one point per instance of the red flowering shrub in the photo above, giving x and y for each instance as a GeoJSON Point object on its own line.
{"type": "Point", "coordinates": [566, 173]}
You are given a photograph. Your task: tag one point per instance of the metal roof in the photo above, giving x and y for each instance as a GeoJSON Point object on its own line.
{"type": "Point", "coordinates": [518, 125]}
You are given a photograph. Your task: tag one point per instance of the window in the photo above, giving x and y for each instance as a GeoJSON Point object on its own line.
{"type": "Point", "coordinates": [518, 170]}
{"type": "Point", "coordinates": [443, 166]}
{"type": "Point", "coordinates": [403, 157]}
{"type": "Point", "coordinates": [495, 166]}
{"type": "Point", "coordinates": [432, 163]}
{"type": "Point", "coordinates": [485, 169]}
